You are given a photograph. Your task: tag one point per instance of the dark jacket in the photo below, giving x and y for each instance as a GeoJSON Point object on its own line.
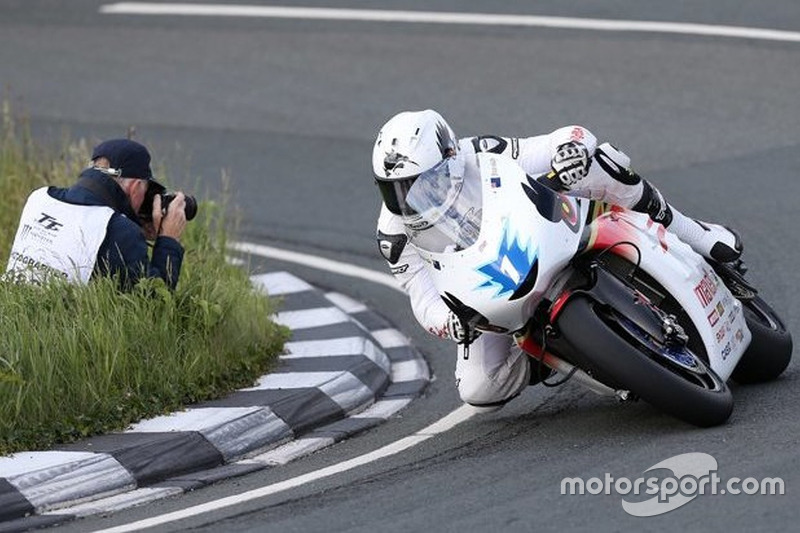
{"type": "Point", "coordinates": [124, 250]}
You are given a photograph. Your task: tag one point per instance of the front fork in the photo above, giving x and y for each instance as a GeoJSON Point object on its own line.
{"type": "Point", "coordinates": [599, 285]}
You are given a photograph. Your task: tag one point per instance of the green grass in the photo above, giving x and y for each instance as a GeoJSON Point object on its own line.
{"type": "Point", "coordinates": [78, 360]}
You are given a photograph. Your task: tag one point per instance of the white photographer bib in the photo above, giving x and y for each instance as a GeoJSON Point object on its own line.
{"type": "Point", "coordinates": [58, 239]}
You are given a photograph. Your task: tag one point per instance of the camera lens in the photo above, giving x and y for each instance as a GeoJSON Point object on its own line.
{"type": "Point", "coordinates": [190, 208]}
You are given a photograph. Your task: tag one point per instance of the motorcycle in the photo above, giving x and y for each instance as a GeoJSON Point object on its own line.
{"type": "Point", "coordinates": [597, 293]}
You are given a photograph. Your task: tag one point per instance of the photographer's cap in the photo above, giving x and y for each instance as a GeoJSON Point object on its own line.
{"type": "Point", "coordinates": [127, 159]}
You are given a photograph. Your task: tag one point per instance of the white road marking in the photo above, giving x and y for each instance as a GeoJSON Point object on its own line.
{"type": "Point", "coordinates": [432, 17]}
{"type": "Point", "coordinates": [320, 263]}
{"type": "Point", "coordinates": [279, 283]}
{"type": "Point", "coordinates": [310, 318]}
{"type": "Point", "coordinates": [456, 417]}
{"type": "Point", "coordinates": [326, 348]}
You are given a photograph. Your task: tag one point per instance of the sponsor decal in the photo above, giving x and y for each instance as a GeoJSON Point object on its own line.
{"type": "Point", "coordinates": [568, 213]}
{"type": "Point", "coordinates": [49, 222]}
{"type": "Point", "coordinates": [21, 262]}
{"type": "Point", "coordinates": [734, 315]}
{"type": "Point", "coordinates": [577, 134]}
{"type": "Point", "coordinates": [42, 231]}
{"type": "Point", "coordinates": [399, 270]}
{"type": "Point", "coordinates": [713, 318]}
{"type": "Point", "coordinates": [417, 225]}
{"type": "Point", "coordinates": [721, 334]}
{"type": "Point", "coordinates": [495, 182]}
{"type": "Point", "coordinates": [726, 351]}
{"type": "Point", "coordinates": [720, 308]}
{"type": "Point", "coordinates": [706, 289]}
{"type": "Point", "coordinates": [739, 335]}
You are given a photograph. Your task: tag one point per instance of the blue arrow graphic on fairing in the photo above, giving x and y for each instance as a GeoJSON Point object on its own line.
{"type": "Point", "coordinates": [508, 271]}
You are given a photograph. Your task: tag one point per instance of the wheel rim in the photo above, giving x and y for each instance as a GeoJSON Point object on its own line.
{"type": "Point", "coordinates": [678, 359]}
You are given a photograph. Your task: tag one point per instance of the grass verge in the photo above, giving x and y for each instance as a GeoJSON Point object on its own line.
{"type": "Point", "coordinates": [77, 361]}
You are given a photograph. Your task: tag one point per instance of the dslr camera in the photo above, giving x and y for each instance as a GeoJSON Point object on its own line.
{"type": "Point", "coordinates": [146, 211]}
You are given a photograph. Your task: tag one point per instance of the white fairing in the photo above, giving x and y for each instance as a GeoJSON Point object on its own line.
{"type": "Point", "coordinates": [527, 236]}
{"type": "Point", "coordinates": [716, 314]}
{"type": "Point", "coordinates": [514, 238]}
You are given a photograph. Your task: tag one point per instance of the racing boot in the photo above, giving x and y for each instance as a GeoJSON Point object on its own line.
{"type": "Point", "coordinates": [709, 240]}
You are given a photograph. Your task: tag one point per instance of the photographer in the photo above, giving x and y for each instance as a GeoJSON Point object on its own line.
{"type": "Point", "coordinates": [100, 225]}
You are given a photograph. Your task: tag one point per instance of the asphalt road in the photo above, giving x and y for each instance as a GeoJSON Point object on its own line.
{"type": "Point", "coordinates": [288, 110]}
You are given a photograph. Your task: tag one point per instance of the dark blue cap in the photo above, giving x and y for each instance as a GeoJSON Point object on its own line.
{"type": "Point", "coordinates": [127, 159]}
{"type": "Point", "coordinates": [130, 158]}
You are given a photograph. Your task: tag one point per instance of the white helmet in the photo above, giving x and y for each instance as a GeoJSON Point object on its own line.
{"type": "Point", "coordinates": [410, 143]}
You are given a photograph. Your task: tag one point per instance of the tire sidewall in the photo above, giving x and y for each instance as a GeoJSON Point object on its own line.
{"type": "Point", "coordinates": [635, 371]}
{"type": "Point", "coordinates": [770, 349]}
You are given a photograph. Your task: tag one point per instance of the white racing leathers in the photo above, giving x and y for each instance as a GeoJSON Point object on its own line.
{"type": "Point", "coordinates": [494, 370]}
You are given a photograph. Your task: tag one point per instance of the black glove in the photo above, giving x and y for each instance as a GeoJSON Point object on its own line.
{"type": "Point", "coordinates": [571, 163]}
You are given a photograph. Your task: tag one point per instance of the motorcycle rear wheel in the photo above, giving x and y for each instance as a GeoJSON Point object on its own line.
{"type": "Point", "coordinates": [675, 381]}
{"type": "Point", "coordinates": [770, 350]}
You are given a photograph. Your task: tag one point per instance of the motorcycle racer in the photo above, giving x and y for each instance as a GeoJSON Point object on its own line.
{"type": "Point", "coordinates": [491, 369]}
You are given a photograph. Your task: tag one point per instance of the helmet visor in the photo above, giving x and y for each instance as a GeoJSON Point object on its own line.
{"type": "Point", "coordinates": [435, 188]}
{"type": "Point", "coordinates": [394, 194]}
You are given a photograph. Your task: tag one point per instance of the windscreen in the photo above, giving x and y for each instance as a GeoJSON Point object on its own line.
{"type": "Point", "coordinates": [449, 204]}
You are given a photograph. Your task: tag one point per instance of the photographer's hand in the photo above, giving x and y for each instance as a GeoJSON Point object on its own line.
{"type": "Point", "coordinates": [151, 228]}
{"type": "Point", "coordinates": [174, 222]}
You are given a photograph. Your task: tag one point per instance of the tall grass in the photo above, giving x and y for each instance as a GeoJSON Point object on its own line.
{"type": "Point", "coordinates": [25, 166]}
{"type": "Point", "coordinates": [81, 360]}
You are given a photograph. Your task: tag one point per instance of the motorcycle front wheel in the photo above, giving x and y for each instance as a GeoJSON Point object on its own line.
{"type": "Point", "coordinates": [672, 379]}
